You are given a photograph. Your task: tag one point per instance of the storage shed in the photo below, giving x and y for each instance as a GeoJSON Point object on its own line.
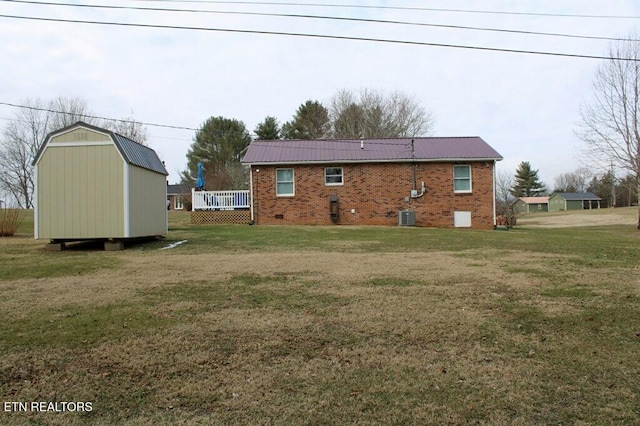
{"type": "Point", "coordinates": [530, 204]}
{"type": "Point", "coordinates": [573, 201]}
{"type": "Point", "coordinates": [94, 184]}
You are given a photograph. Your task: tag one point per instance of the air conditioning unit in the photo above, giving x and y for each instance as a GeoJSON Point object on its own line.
{"type": "Point", "coordinates": [406, 218]}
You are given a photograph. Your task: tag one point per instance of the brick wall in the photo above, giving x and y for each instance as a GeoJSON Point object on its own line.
{"type": "Point", "coordinates": [373, 194]}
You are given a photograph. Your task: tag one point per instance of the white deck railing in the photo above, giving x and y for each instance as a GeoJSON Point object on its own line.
{"type": "Point", "coordinates": [220, 200]}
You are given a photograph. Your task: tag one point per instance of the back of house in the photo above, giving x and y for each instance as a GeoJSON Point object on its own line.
{"type": "Point", "coordinates": [440, 182]}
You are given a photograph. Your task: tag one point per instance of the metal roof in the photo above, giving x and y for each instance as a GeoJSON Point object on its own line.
{"type": "Point", "coordinates": [178, 189]}
{"type": "Point", "coordinates": [535, 200]}
{"type": "Point", "coordinates": [578, 196]}
{"type": "Point", "coordinates": [369, 150]}
{"type": "Point", "coordinates": [138, 154]}
{"type": "Point", "coordinates": [132, 151]}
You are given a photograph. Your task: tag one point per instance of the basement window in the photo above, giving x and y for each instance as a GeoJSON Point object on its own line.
{"type": "Point", "coordinates": [462, 179]}
{"type": "Point", "coordinates": [284, 183]}
{"type": "Point", "coordinates": [333, 176]}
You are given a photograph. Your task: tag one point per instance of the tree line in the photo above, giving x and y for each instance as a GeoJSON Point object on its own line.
{"type": "Point", "coordinates": [221, 142]}
{"type": "Point", "coordinates": [614, 191]}
{"type": "Point", "coordinates": [22, 136]}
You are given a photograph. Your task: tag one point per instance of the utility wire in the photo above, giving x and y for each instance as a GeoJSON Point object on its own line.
{"type": "Point", "coordinates": [426, 9]}
{"type": "Point", "coordinates": [305, 16]}
{"type": "Point", "coordinates": [166, 126]}
{"type": "Point", "coordinates": [334, 37]}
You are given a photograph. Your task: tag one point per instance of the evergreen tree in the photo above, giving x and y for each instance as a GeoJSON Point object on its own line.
{"type": "Point", "coordinates": [311, 121]}
{"type": "Point", "coordinates": [269, 129]}
{"type": "Point", "coordinates": [527, 182]}
{"type": "Point", "coordinates": [219, 145]}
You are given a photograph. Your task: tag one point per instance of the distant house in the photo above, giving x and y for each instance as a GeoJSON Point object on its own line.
{"type": "Point", "coordinates": [573, 201]}
{"type": "Point", "coordinates": [440, 182]}
{"type": "Point", "coordinates": [530, 204]}
{"type": "Point", "coordinates": [94, 184]}
{"type": "Point", "coordinates": [177, 196]}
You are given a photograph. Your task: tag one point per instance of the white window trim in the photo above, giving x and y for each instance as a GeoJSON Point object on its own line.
{"type": "Point", "coordinates": [333, 183]}
{"type": "Point", "coordinates": [177, 201]}
{"type": "Point", "coordinates": [293, 181]}
{"type": "Point", "coordinates": [463, 191]}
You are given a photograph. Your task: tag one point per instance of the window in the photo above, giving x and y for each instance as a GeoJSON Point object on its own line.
{"type": "Point", "coordinates": [461, 178]}
{"type": "Point", "coordinates": [333, 176]}
{"type": "Point", "coordinates": [177, 203]}
{"type": "Point", "coordinates": [284, 183]}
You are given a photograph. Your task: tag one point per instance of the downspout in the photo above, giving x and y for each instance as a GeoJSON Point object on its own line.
{"type": "Point", "coordinates": [251, 192]}
{"type": "Point", "coordinates": [495, 222]}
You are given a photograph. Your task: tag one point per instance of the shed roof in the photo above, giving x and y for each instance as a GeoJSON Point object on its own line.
{"type": "Point", "coordinates": [369, 150]}
{"type": "Point", "coordinates": [578, 196]}
{"type": "Point", "coordinates": [133, 152]}
{"type": "Point", "coordinates": [535, 200]}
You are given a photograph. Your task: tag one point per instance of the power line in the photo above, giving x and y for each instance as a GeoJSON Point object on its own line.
{"type": "Point", "coordinates": [334, 37]}
{"type": "Point", "coordinates": [166, 126]}
{"type": "Point", "coordinates": [406, 8]}
{"type": "Point", "coordinates": [323, 17]}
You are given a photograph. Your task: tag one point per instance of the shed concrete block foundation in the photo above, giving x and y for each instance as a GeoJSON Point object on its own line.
{"type": "Point", "coordinates": [113, 245]}
{"type": "Point", "coordinates": [55, 246]}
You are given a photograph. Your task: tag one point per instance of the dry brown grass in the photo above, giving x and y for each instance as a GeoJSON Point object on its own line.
{"type": "Point", "coordinates": [10, 220]}
{"type": "Point", "coordinates": [577, 218]}
{"type": "Point", "coordinates": [324, 338]}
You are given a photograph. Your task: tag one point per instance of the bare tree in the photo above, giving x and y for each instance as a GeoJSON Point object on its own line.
{"type": "Point", "coordinates": [373, 114]}
{"type": "Point", "coordinates": [504, 182]}
{"type": "Point", "coordinates": [610, 125]}
{"type": "Point", "coordinates": [22, 137]}
{"type": "Point", "coordinates": [128, 127]}
{"type": "Point", "coordinates": [64, 112]}
{"type": "Point", "coordinates": [576, 181]}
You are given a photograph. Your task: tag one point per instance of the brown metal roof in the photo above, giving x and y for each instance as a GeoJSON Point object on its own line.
{"type": "Point", "coordinates": [369, 150]}
{"type": "Point", "coordinates": [535, 200]}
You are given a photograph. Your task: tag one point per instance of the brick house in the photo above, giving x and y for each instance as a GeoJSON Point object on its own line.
{"type": "Point", "coordinates": [440, 182]}
{"type": "Point", "coordinates": [178, 196]}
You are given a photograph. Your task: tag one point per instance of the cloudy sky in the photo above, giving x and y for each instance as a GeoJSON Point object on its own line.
{"type": "Point", "coordinates": [525, 105]}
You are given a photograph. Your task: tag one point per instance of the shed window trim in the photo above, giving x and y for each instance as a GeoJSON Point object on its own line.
{"type": "Point", "coordinates": [285, 183]}
{"type": "Point", "coordinates": [333, 176]}
{"type": "Point", "coordinates": [462, 179]}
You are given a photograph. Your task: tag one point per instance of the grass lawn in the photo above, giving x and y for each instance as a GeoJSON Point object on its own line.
{"type": "Point", "coordinates": [326, 325]}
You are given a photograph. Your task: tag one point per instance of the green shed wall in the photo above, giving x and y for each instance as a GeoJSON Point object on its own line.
{"type": "Point", "coordinates": [574, 205]}
{"type": "Point", "coordinates": [556, 203]}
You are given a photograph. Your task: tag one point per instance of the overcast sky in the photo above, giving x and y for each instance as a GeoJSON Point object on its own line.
{"type": "Point", "coordinates": [524, 105]}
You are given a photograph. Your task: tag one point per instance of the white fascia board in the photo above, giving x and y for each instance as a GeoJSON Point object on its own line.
{"type": "Point", "coordinates": [36, 228]}
{"type": "Point", "coordinates": [127, 227]}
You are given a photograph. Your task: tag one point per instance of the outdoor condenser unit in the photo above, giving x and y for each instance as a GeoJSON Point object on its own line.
{"type": "Point", "coordinates": [406, 218]}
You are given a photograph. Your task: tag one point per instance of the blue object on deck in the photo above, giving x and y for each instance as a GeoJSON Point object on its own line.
{"type": "Point", "coordinates": [200, 180]}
